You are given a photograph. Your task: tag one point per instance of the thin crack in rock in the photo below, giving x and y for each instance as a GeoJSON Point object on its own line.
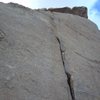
{"type": "Point", "coordinates": [69, 79]}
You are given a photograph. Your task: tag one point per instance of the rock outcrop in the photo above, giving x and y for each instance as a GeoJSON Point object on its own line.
{"type": "Point", "coordinates": [81, 11]}
{"type": "Point", "coordinates": [48, 56]}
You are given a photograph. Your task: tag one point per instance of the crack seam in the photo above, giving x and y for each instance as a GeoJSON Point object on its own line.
{"type": "Point", "coordinates": [69, 79]}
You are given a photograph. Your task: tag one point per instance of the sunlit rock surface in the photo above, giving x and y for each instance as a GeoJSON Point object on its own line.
{"type": "Point", "coordinates": [47, 55]}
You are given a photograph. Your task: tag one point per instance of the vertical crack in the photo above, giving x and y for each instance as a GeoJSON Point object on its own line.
{"type": "Point", "coordinates": [69, 78]}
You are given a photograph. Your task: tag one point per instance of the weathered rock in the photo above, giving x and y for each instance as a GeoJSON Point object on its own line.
{"type": "Point", "coordinates": [81, 11]}
{"type": "Point", "coordinates": [81, 57]}
{"type": "Point", "coordinates": [2, 35]}
{"type": "Point", "coordinates": [48, 56]}
{"type": "Point", "coordinates": [30, 62]}
{"type": "Point", "coordinates": [61, 10]}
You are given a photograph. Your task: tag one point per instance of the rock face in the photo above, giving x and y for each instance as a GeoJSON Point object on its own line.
{"type": "Point", "coordinates": [48, 56]}
{"type": "Point", "coordinates": [81, 11]}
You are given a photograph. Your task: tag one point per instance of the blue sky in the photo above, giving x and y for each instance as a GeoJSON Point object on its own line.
{"type": "Point", "coordinates": [92, 5]}
{"type": "Point", "coordinates": [97, 5]}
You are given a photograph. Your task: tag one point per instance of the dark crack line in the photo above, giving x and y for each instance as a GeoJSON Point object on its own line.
{"type": "Point", "coordinates": [69, 79]}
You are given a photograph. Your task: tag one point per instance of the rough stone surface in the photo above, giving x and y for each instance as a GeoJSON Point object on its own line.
{"type": "Point", "coordinates": [81, 11]}
{"type": "Point", "coordinates": [30, 62]}
{"type": "Point", "coordinates": [48, 56]}
{"type": "Point", "coordinates": [81, 39]}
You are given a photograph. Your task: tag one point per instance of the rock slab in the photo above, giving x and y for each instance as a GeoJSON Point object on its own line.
{"type": "Point", "coordinates": [48, 56]}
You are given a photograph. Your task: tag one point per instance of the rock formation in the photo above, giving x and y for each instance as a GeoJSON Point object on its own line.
{"type": "Point", "coordinates": [48, 56]}
{"type": "Point", "coordinates": [81, 11]}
